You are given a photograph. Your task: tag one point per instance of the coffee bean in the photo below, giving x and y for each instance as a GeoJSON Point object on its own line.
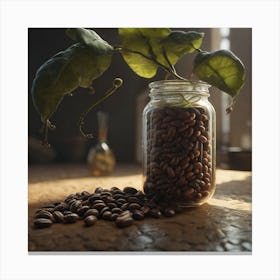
{"type": "Point", "coordinates": [56, 203]}
{"type": "Point", "coordinates": [61, 207]}
{"type": "Point", "coordinates": [115, 189]}
{"type": "Point", "coordinates": [198, 165]}
{"type": "Point", "coordinates": [112, 205]}
{"type": "Point", "coordinates": [69, 197]}
{"type": "Point", "coordinates": [124, 206]}
{"type": "Point", "coordinates": [97, 201]}
{"type": "Point", "coordinates": [107, 215]}
{"type": "Point", "coordinates": [134, 199]}
{"type": "Point", "coordinates": [138, 215]}
{"type": "Point", "coordinates": [189, 175]}
{"type": "Point", "coordinates": [141, 196]}
{"type": "Point", "coordinates": [99, 190]}
{"type": "Point", "coordinates": [58, 217]}
{"type": "Point", "coordinates": [130, 190]}
{"type": "Point", "coordinates": [45, 215]}
{"type": "Point", "coordinates": [189, 132]}
{"type": "Point", "coordinates": [109, 199]}
{"type": "Point", "coordinates": [90, 220]}
{"type": "Point", "coordinates": [93, 197]}
{"type": "Point", "coordinates": [201, 128]}
{"type": "Point", "coordinates": [205, 193]}
{"type": "Point", "coordinates": [118, 196]}
{"type": "Point", "coordinates": [85, 193]}
{"type": "Point", "coordinates": [204, 117]}
{"type": "Point", "coordinates": [192, 116]}
{"type": "Point", "coordinates": [104, 209]}
{"type": "Point", "coordinates": [91, 212]}
{"type": "Point", "coordinates": [134, 206]}
{"type": "Point", "coordinates": [189, 191]}
{"type": "Point", "coordinates": [120, 201]}
{"type": "Point", "coordinates": [202, 139]}
{"type": "Point", "coordinates": [75, 205]}
{"type": "Point", "coordinates": [42, 223]}
{"type": "Point", "coordinates": [197, 133]}
{"type": "Point", "coordinates": [71, 218]}
{"type": "Point", "coordinates": [99, 206]}
{"type": "Point", "coordinates": [124, 219]}
{"type": "Point", "coordinates": [117, 210]}
{"type": "Point", "coordinates": [196, 153]}
{"type": "Point", "coordinates": [81, 210]}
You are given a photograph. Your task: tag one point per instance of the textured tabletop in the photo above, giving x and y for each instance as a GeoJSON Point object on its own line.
{"type": "Point", "coordinates": [224, 224]}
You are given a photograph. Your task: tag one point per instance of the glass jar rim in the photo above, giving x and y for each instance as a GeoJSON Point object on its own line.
{"type": "Point", "coordinates": [202, 86]}
{"type": "Point", "coordinates": [179, 86]}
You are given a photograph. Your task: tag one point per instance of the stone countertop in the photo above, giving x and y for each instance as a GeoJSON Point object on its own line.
{"type": "Point", "coordinates": [224, 224]}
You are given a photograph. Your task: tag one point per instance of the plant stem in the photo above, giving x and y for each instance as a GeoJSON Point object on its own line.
{"type": "Point", "coordinates": [116, 84]}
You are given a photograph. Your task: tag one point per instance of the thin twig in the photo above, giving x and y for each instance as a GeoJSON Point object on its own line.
{"type": "Point", "coordinates": [116, 84]}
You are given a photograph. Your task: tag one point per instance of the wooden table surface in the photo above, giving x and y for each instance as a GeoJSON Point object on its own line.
{"type": "Point", "coordinates": [224, 224]}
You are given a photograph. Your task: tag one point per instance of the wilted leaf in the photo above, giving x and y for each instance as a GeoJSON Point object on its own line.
{"type": "Point", "coordinates": [179, 43]}
{"type": "Point", "coordinates": [221, 69]}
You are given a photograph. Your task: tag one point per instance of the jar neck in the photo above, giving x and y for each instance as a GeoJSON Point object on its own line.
{"type": "Point", "coordinates": [179, 90]}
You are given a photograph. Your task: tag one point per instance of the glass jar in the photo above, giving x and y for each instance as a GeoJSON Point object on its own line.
{"type": "Point", "coordinates": [179, 143]}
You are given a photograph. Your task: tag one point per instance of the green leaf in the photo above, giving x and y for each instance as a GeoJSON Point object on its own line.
{"type": "Point", "coordinates": [179, 43]}
{"type": "Point", "coordinates": [142, 49]}
{"type": "Point", "coordinates": [90, 39]}
{"type": "Point", "coordinates": [63, 73]}
{"type": "Point", "coordinates": [221, 69]}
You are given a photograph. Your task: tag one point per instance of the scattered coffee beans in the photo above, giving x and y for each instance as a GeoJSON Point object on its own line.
{"type": "Point", "coordinates": [121, 206]}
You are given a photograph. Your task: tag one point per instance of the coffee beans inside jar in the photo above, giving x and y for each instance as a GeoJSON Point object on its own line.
{"type": "Point", "coordinates": [179, 144]}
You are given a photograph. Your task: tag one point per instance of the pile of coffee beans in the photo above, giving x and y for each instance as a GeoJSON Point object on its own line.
{"type": "Point", "coordinates": [122, 207]}
{"type": "Point", "coordinates": [178, 164]}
